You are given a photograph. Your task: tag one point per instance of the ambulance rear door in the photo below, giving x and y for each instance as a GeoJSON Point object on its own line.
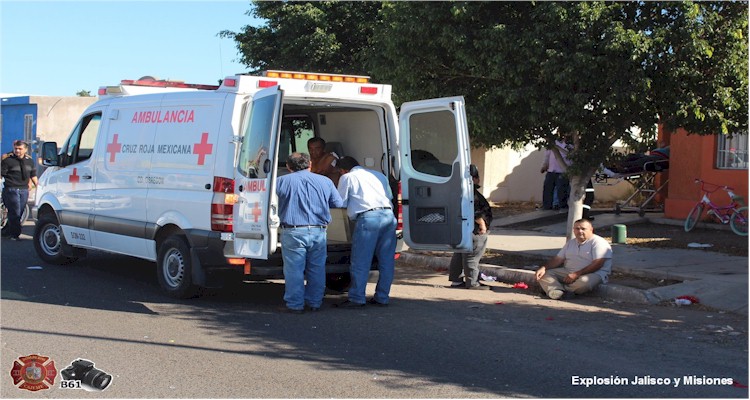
{"type": "Point", "coordinates": [436, 188]}
{"type": "Point", "coordinates": [255, 215]}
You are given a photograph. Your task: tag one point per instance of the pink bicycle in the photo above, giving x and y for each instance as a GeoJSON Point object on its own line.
{"type": "Point", "coordinates": [733, 214]}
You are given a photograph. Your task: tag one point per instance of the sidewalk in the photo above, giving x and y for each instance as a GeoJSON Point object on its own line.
{"type": "Point", "coordinates": [717, 280]}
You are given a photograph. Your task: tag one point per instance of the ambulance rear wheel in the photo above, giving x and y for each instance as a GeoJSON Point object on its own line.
{"type": "Point", "coordinates": [338, 282]}
{"type": "Point", "coordinates": [174, 268]}
{"type": "Point", "coordinates": [49, 240]}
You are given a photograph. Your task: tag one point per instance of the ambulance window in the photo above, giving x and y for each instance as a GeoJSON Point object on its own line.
{"type": "Point", "coordinates": [257, 139]}
{"type": "Point", "coordinates": [433, 142]}
{"type": "Point", "coordinates": [295, 132]}
{"type": "Point", "coordinates": [81, 142]}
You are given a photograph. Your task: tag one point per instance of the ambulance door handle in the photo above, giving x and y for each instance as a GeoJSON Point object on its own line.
{"type": "Point", "coordinates": [85, 176]}
{"type": "Point", "coordinates": [241, 188]}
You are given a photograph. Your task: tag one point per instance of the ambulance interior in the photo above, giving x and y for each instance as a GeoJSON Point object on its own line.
{"type": "Point", "coordinates": [348, 131]}
{"type": "Point", "coordinates": [355, 131]}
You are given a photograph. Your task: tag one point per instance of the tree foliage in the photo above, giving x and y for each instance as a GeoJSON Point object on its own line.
{"type": "Point", "coordinates": [532, 72]}
{"type": "Point", "coordinates": [325, 36]}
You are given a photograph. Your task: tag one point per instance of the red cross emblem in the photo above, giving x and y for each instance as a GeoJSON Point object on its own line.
{"type": "Point", "coordinates": [114, 148]}
{"type": "Point", "coordinates": [256, 211]}
{"type": "Point", "coordinates": [74, 178]}
{"type": "Point", "coordinates": [203, 148]}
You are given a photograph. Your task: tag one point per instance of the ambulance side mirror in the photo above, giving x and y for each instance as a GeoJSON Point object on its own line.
{"type": "Point", "coordinates": [49, 154]}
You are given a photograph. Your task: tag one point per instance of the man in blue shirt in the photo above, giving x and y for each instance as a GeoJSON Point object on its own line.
{"type": "Point", "coordinates": [367, 197]}
{"type": "Point", "coordinates": [305, 200]}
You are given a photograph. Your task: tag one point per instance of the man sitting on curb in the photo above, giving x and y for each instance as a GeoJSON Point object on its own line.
{"type": "Point", "coordinates": [586, 260]}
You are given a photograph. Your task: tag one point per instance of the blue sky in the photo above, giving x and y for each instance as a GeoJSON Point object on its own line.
{"type": "Point", "coordinates": [59, 48]}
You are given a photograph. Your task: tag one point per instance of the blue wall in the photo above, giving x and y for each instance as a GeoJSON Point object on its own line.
{"type": "Point", "coordinates": [13, 109]}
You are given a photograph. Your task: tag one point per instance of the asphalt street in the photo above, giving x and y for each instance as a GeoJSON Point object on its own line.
{"type": "Point", "coordinates": [431, 342]}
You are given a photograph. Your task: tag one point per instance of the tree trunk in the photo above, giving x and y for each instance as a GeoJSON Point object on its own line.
{"type": "Point", "coordinates": [578, 185]}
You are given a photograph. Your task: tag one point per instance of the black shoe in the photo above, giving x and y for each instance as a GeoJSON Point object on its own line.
{"type": "Point", "coordinates": [16, 238]}
{"type": "Point", "coordinates": [291, 310]}
{"type": "Point", "coordinates": [313, 309]}
{"type": "Point", "coordinates": [374, 302]}
{"type": "Point", "coordinates": [479, 287]}
{"type": "Point", "coordinates": [349, 304]}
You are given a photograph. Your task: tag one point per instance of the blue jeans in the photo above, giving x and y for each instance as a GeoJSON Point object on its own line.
{"type": "Point", "coordinates": [555, 183]}
{"type": "Point", "coordinates": [304, 253]}
{"type": "Point", "coordinates": [374, 235]}
{"type": "Point", "coordinates": [15, 201]}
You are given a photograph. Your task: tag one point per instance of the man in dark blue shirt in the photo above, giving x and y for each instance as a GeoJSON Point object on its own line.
{"type": "Point", "coordinates": [305, 200]}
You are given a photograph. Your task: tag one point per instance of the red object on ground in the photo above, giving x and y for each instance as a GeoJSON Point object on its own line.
{"type": "Point", "coordinates": [691, 298]}
{"type": "Point", "coordinates": [521, 285]}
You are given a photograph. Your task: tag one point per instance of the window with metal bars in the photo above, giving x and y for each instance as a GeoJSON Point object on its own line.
{"type": "Point", "coordinates": [731, 151]}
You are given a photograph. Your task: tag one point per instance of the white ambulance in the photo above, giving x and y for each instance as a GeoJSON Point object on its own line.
{"type": "Point", "coordinates": [185, 175]}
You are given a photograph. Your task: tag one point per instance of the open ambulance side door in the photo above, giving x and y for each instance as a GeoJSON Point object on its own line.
{"type": "Point", "coordinates": [256, 220]}
{"type": "Point", "coordinates": [436, 188]}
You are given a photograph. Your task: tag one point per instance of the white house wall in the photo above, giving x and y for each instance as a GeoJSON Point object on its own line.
{"type": "Point", "coordinates": [56, 116]}
{"type": "Point", "coordinates": [508, 175]}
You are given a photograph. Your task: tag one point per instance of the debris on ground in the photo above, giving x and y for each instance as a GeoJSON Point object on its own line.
{"type": "Point", "coordinates": [691, 299]}
{"type": "Point", "coordinates": [488, 278]}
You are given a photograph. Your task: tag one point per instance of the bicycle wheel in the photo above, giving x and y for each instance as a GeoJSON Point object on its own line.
{"type": "Point", "coordinates": [738, 221]}
{"type": "Point", "coordinates": [693, 217]}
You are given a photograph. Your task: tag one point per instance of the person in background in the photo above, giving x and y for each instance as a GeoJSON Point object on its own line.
{"type": "Point", "coordinates": [322, 162]}
{"type": "Point", "coordinates": [555, 181]}
{"type": "Point", "coordinates": [464, 267]}
{"type": "Point", "coordinates": [305, 200]}
{"type": "Point", "coordinates": [19, 172]}
{"type": "Point", "coordinates": [367, 197]}
{"type": "Point", "coordinates": [586, 262]}
{"type": "Point", "coordinates": [588, 200]}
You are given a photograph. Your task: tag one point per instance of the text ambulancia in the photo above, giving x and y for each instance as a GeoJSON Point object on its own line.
{"type": "Point", "coordinates": [185, 175]}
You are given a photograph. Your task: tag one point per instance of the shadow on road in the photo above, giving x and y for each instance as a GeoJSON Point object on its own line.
{"type": "Point", "coordinates": [488, 347]}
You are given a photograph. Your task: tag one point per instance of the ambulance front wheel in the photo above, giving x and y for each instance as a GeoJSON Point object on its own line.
{"type": "Point", "coordinates": [49, 240]}
{"type": "Point", "coordinates": [174, 268]}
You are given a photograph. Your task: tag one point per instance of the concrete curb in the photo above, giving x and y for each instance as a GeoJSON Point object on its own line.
{"type": "Point", "coordinates": [613, 292]}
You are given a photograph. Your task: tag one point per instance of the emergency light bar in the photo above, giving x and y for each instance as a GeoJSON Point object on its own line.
{"type": "Point", "coordinates": [171, 84]}
{"type": "Point", "coordinates": [311, 76]}
{"type": "Point", "coordinates": [149, 83]}
{"type": "Point", "coordinates": [305, 82]}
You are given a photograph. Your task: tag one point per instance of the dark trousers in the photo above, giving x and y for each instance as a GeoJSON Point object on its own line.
{"type": "Point", "coordinates": [466, 265]}
{"type": "Point", "coordinates": [555, 182]}
{"type": "Point", "coordinates": [15, 201]}
{"type": "Point", "coordinates": [588, 200]}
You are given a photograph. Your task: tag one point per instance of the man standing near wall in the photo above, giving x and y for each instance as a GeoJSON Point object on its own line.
{"type": "Point", "coordinates": [19, 172]}
{"type": "Point", "coordinates": [555, 181]}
